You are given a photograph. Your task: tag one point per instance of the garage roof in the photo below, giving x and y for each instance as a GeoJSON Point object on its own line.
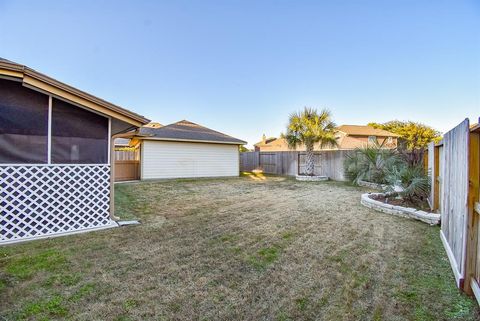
{"type": "Point", "coordinates": [185, 130]}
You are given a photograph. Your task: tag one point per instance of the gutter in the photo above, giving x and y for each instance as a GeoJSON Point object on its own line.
{"type": "Point", "coordinates": [140, 137]}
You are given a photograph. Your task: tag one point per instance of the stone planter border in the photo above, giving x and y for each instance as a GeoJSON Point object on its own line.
{"type": "Point", "coordinates": [306, 178]}
{"type": "Point", "coordinates": [409, 212]}
{"type": "Point", "coordinates": [381, 187]}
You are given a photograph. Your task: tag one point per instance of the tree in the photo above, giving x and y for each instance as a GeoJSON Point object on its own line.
{"type": "Point", "coordinates": [243, 149]}
{"type": "Point", "coordinates": [413, 135]}
{"type": "Point", "coordinates": [309, 127]}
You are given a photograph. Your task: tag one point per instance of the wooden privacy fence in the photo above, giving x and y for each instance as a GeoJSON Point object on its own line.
{"type": "Point", "coordinates": [328, 163]}
{"type": "Point", "coordinates": [454, 166]}
{"type": "Point", "coordinates": [127, 165]}
{"type": "Point", "coordinates": [123, 155]}
{"type": "Point", "coordinates": [127, 170]}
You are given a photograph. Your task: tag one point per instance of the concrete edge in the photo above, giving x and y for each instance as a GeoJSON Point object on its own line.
{"type": "Point", "coordinates": [305, 178]}
{"type": "Point", "coordinates": [409, 212]}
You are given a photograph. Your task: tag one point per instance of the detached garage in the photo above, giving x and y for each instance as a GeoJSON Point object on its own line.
{"type": "Point", "coordinates": [185, 149]}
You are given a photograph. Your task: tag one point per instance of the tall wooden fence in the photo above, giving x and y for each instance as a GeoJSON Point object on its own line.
{"type": "Point", "coordinates": [454, 165]}
{"type": "Point", "coordinates": [328, 163]}
{"type": "Point", "coordinates": [127, 165]}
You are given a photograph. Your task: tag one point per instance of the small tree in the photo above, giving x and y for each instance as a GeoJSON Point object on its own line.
{"type": "Point", "coordinates": [370, 163]}
{"type": "Point", "coordinates": [414, 182]}
{"type": "Point", "coordinates": [243, 149]}
{"type": "Point", "coordinates": [310, 127]}
{"type": "Point", "coordinates": [412, 134]}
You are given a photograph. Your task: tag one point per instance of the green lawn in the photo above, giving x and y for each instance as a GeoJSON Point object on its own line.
{"type": "Point", "coordinates": [249, 248]}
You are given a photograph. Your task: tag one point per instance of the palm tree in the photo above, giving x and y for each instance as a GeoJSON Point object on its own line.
{"type": "Point", "coordinates": [308, 128]}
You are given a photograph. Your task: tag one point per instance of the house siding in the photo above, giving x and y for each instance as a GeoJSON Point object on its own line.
{"type": "Point", "coordinates": [161, 159]}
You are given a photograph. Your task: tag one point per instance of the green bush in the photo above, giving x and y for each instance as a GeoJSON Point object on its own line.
{"type": "Point", "coordinates": [412, 180]}
{"type": "Point", "coordinates": [391, 167]}
{"type": "Point", "coordinates": [370, 164]}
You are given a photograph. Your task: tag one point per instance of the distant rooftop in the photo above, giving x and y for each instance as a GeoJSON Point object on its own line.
{"type": "Point", "coordinates": [363, 130]}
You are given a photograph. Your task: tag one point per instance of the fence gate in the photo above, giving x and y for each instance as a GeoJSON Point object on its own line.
{"type": "Point", "coordinates": [268, 162]}
{"type": "Point", "coordinates": [302, 164]}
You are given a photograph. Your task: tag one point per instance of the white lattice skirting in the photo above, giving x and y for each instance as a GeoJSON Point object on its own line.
{"type": "Point", "coordinates": [45, 200]}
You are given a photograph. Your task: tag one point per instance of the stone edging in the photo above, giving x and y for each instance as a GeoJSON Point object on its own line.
{"type": "Point", "coordinates": [381, 187]}
{"type": "Point", "coordinates": [306, 178]}
{"type": "Point", "coordinates": [430, 218]}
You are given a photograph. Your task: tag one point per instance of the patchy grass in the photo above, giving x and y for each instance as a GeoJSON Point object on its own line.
{"type": "Point", "coordinates": [24, 267]}
{"type": "Point", "coordinates": [44, 308]}
{"type": "Point", "coordinates": [251, 248]}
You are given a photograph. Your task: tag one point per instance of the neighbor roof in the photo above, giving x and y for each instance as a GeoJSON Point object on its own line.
{"type": "Point", "coordinates": [34, 79]}
{"type": "Point", "coordinates": [122, 142]}
{"type": "Point", "coordinates": [361, 130]}
{"type": "Point", "coordinates": [185, 130]}
{"type": "Point", "coordinates": [267, 141]}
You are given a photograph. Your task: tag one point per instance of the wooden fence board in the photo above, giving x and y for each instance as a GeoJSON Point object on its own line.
{"type": "Point", "coordinates": [127, 170]}
{"type": "Point", "coordinates": [472, 219]}
{"type": "Point", "coordinates": [454, 189]}
{"type": "Point", "coordinates": [431, 172]}
{"type": "Point", "coordinates": [290, 163]}
{"type": "Point", "coordinates": [127, 155]}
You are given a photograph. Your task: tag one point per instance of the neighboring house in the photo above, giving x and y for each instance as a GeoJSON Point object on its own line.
{"type": "Point", "coordinates": [348, 137]}
{"type": "Point", "coordinates": [185, 149]}
{"type": "Point", "coordinates": [55, 155]}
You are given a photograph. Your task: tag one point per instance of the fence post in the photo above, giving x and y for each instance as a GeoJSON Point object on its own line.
{"type": "Point", "coordinates": [436, 178]}
{"type": "Point", "coordinates": [472, 219]}
{"type": "Point", "coordinates": [298, 163]}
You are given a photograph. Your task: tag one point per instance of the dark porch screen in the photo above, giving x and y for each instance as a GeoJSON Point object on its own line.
{"type": "Point", "coordinates": [23, 124]}
{"type": "Point", "coordinates": [78, 136]}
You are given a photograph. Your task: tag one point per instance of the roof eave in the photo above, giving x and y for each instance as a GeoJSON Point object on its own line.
{"type": "Point", "coordinates": [33, 78]}
{"type": "Point", "coordinates": [189, 140]}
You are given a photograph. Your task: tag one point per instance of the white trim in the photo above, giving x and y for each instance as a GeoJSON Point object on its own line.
{"type": "Point", "coordinates": [109, 139]}
{"type": "Point", "coordinates": [49, 135]}
{"type": "Point", "coordinates": [451, 258]}
{"type": "Point", "coordinates": [189, 140]}
{"type": "Point", "coordinates": [110, 225]}
{"type": "Point", "coordinates": [475, 289]}
{"type": "Point", "coordinates": [45, 164]}
{"type": "Point", "coordinates": [142, 160]}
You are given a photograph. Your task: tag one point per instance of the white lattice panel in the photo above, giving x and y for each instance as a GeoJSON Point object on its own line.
{"type": "Point", "coordinates": [42, 200]}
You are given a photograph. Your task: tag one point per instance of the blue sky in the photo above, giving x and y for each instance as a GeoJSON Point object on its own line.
{"type": "Point", "coordinates": [241, 67]}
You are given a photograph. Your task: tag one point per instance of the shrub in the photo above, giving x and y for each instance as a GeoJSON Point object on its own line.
{"type": "Point", "coordinates": [414, 183]}
{"type": "Point", "coordinates": [370, 163]}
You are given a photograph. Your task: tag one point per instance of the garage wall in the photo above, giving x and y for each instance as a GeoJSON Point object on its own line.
{"type": "Point", "coordinates": [162, 159]}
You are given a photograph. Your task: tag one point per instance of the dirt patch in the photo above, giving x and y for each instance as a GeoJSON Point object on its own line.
{"type": "Point", "coordinates": [400, 202]}
{"type": "Point", "coordinates": [250, 248]}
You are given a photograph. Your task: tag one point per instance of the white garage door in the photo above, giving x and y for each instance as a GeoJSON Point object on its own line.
{"type": "Point", "coordinates": [162, 159]}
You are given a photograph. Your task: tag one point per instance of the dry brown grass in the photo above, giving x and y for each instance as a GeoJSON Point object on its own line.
{"type": "Point", "coordinates": [251, 248]}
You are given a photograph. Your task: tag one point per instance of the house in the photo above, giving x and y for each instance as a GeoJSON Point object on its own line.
{"type": "Point", "coordinates": [185, 149]}
{"type": "Point", "coordinates": [55, 155]}
{"type": "Point", "coordinates": [348, 137]}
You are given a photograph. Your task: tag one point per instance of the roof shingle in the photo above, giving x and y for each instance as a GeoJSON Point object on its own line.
{"type": "Point", "coordinates": [361, 130]}
{"type": "Point", "coordinates": [187, 131]}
